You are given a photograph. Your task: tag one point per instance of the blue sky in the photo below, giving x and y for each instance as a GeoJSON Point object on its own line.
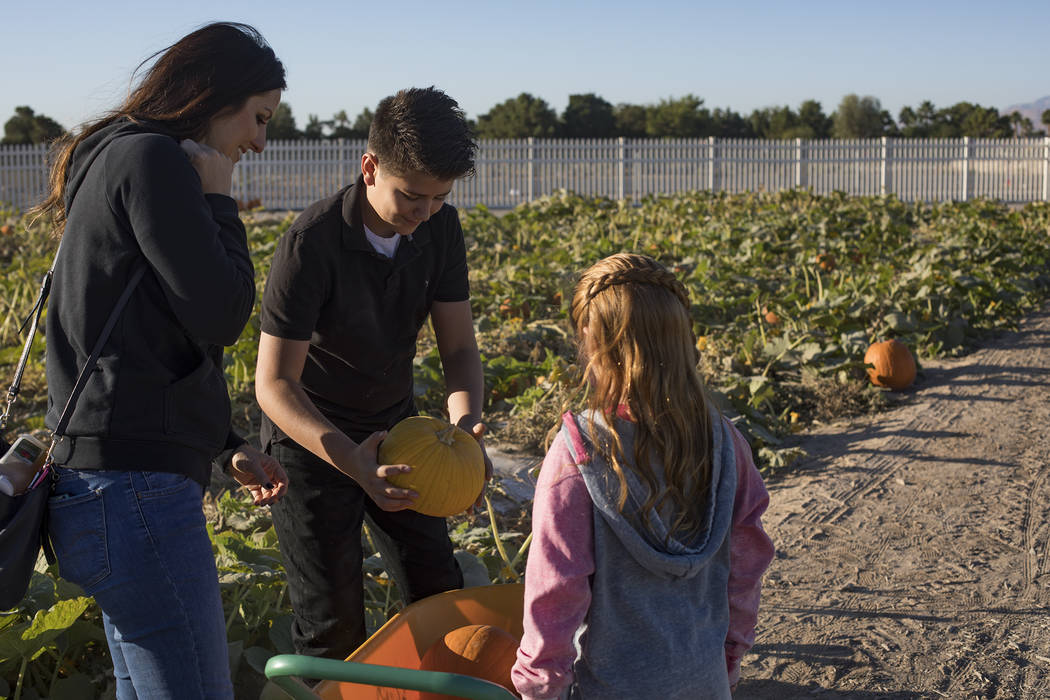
{"type": "Point", "coordinates": [72, 60]}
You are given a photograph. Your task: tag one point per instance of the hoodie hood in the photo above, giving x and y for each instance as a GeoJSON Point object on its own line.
{"type": "Point", "coordinates": [89, 149]}
{"type": "Point", "coordinates": [651, 547]}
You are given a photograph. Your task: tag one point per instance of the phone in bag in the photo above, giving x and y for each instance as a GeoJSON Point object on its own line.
{"type": "Point", "coordinates": [21, 463]}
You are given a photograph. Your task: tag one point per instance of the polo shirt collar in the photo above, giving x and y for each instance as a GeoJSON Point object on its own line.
{"type": "Point", "coordinates": [354, 226]}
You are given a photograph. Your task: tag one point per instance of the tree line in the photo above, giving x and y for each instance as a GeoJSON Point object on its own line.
{"type": "Point", "coordinates": [590, 116]}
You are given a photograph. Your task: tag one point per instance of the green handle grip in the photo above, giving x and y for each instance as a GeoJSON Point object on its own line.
{"type": "Point", "coordinates": [279, 669]}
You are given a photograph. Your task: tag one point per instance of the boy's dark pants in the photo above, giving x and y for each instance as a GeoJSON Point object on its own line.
{"type": "Point", "coordinates": [318, 524]}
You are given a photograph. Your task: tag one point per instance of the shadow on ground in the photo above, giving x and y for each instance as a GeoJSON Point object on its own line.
{"type": "Point", "coordinates": [769, 689]}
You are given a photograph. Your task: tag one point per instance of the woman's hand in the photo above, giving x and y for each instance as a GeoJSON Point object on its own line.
{"type": "Point", "coordinates": [214, 167]}
{"type": "Point", "coordinates": [261, 474]}
{"type": "Point", "coordinates": [371, 476]}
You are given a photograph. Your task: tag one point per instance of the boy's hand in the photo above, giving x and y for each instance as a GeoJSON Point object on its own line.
{"type": "Point", "coordinates": [261, 474]}
{"type": "Point", "coordinates": [478, 431]}
{"type": "Point", "coordinates": [371, 476]}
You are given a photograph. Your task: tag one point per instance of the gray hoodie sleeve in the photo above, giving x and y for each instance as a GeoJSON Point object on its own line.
{"type": "Point", "coordinates": [195, 243]}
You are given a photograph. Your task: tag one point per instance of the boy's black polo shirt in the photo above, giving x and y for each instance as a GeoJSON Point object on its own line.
{"type": "Point", "coordinates": [360, 310]}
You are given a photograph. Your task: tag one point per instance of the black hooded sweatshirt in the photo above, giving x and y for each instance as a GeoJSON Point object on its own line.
{"type": "Point", "coordinates": [157, 399]}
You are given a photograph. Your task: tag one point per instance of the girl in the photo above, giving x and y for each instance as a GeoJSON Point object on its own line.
{"type": "Point", "coordinates": [644, 572]}
{"type": "Point", "coordinates": [149, 184]}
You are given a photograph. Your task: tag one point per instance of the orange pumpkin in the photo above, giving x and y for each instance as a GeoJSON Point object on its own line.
{"type": "Point", "coordinates": [481, 651]}
{"type": "Point", "coordinates": [770, 316]}
{"type": "Point", "coordinates": [826, 262]}
{"type": "Point", "coordinates": [892, 364]}
{"type": "Point", "coordinates": [448, 467]}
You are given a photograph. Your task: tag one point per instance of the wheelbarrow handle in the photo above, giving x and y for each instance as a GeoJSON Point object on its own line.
{"type": "Point", "coordinates": [280, 668]}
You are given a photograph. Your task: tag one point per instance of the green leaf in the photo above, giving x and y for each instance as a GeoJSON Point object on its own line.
{"type": "Point", "coordinates": [809, 351]}
{"type": "Point", "coordinates": [76, 687]}
{"type": "Point", "coordinates": [854, 343]}
{"type": "Point", "coordinates": [281, 634]}
{"type": "Point", "coordinates": [11, 644]}
{"type": "Point", "coordinates": [19, 641]}
{"type": "Point", "coordinates": [257, 658]}
{"type": "Point", "coordinates": [234, 651]}
{"type": "Point", "coordinates": [474, 572]}
{"type": "Point", "coordinates": [955, 333]}
{"type": "Point", "coordinates": [899, 322]}
{"type": "Point", "coordinates": [60, 617]}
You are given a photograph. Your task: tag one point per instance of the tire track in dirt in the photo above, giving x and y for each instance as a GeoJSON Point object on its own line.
{"type": "Point", "coordinates": [914, 546]}
{"type": "Point", "coordinates": [1036, 681]}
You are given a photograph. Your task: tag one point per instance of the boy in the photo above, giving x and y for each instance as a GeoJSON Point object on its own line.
{"type": "Point", "coordinates": [351, 284]}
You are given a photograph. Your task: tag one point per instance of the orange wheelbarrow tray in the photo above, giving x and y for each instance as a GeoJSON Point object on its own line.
{"type": "Point", "coordinates": [387, 665]}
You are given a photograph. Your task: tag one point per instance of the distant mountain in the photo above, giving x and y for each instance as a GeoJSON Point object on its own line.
{"type": "Point", "coordinates": [1032, 110]}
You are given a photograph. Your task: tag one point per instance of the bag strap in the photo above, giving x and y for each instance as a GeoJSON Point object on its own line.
{"type": "Point", "coordinates": [33, 321]}
{"type": "Point", "coordinates": [89, 366]}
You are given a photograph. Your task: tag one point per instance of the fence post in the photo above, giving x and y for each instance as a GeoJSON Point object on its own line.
{"type": "Point", "coordinates": [1046, 169]}
{"type": "Point", "coordinates": [529, 169]}
{"type": "Point", "coordinates": [620, 168]}
{"type": "Point", "coordinates": [712, 164]}
{"type": "Point", "coordinates": [966, 169]}
{"type": "Point", "coordinates": [800, 165]}
{"type": "Point", "coordinates": [884, 168]}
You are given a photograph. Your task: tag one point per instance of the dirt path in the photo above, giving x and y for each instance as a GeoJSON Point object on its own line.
{"type": "Point", "coordinates": [914, 546]}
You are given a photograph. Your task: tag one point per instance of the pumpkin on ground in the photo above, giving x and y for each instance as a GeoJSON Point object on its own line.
{"type": "Point", "coordinates": [481, 651]}
{"type": "Point", "coordinates": [448, 468]}
{"type": "Point", "coordinates": [893, 364]}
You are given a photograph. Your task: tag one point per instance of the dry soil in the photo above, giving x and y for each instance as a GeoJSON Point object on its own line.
{"type": "Point", "coordinates": [913, 546]}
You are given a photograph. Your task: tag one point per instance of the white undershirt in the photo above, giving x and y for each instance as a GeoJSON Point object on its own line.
{"type": "Point", "coordinates": [383, 246]}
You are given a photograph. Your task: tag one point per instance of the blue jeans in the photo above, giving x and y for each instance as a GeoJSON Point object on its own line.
{"type": "Point", "coordinates": [137, 542]}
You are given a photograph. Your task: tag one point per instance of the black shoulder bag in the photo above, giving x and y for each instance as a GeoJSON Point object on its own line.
{"type": "Point", "coordinates": [23, 517]}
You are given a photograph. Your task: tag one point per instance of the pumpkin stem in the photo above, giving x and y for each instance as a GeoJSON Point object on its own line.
{"type": "Point", "coordinates": [445, 436]}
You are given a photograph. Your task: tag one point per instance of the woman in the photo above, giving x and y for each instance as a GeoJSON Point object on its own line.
{"type": "Point", "coordinates": [149, 183]}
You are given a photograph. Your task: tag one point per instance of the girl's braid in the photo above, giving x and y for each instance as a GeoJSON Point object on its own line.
{"type": "Point", "coordinates": [656, 277]}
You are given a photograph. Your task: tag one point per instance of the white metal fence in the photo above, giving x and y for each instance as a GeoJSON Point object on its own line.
{"type": "Point", "coordinates": [291, 174]}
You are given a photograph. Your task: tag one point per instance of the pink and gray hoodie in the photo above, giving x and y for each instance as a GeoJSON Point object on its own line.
{"type": "Point", "coordinates": [614, 611]}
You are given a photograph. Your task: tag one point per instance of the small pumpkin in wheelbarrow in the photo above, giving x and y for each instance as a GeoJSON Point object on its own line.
{"type": "Point", "coordinates": [448, 467]}
{"type": "Point", "coordinates": [481, 651]}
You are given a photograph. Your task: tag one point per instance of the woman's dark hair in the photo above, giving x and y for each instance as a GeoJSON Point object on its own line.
{"type": "Point", "coordinates": [210, 71]}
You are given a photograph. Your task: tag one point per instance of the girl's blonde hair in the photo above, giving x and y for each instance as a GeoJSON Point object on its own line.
{"type": "Point", "coordinates": [638, 350]}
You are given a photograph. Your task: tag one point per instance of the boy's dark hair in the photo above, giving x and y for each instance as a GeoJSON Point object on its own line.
{"type": "Point", "coordinates": [422, 130]}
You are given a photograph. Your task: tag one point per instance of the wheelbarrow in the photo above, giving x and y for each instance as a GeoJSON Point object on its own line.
{"type": "Point", "coordinates": [387, 665]}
